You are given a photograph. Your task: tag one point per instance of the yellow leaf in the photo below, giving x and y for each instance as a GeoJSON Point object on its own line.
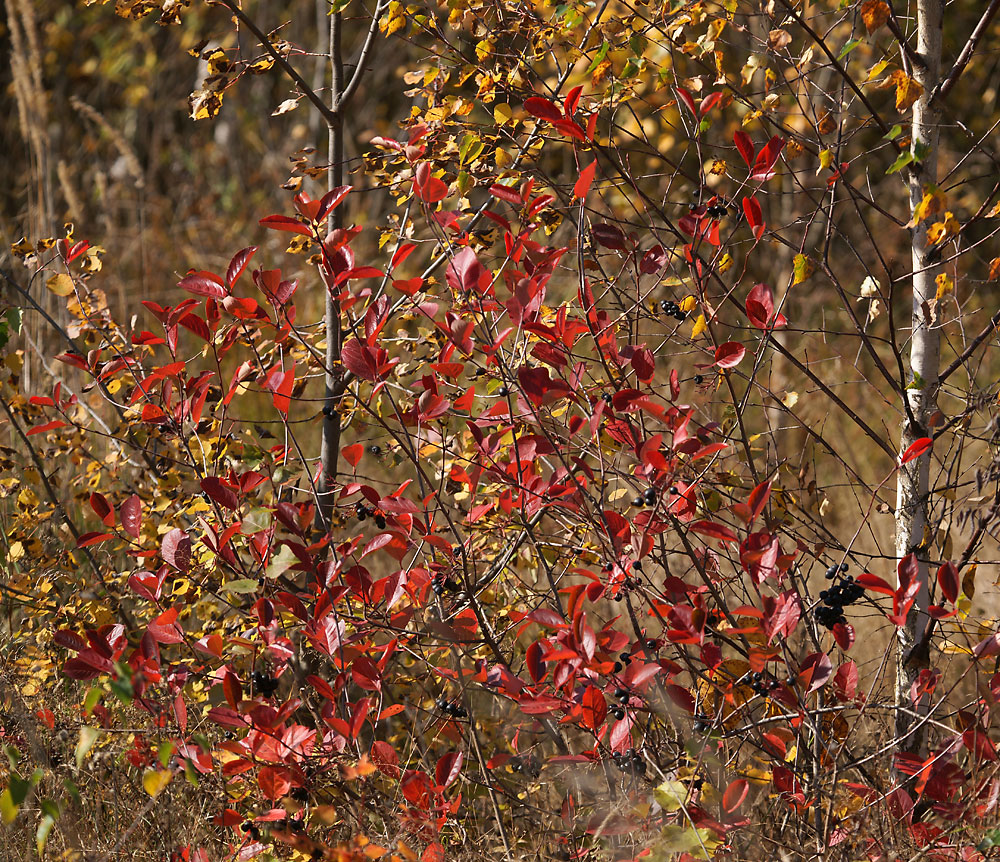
{"type": "Point", "coordinates": [825, 160]}
{"type": "Point", "coordinates": [942, 231]}
{"type": "Point", "coordinates": [154, 780]}
{"type": "Point", "coordinates": [502, 114]}
{"type": "Point", "coordinates": [699, 326]}
{"type": "Point", "coordinates": [969, 581]}
{"type": "Point", "coordinates": [688, 303]}
{"type": "Point", "coordinates": [931, 204]}
{"type": "Point", "coordinates": [877, 70]}
{"type": "Point", "coordinates": [944, 285]}
{"type": "Point", "coordinates": [908, 91]}
{"type": "Point", "coordinates": [802, 268]}
{"type": "Point", "coordinates": [671, 795]}
{"type": "Point", "coordinates": [726, 263]}
{"type": "Point", "coordinates": [874, 13]}
{"type": "Point", "coordinates": [60, 284]}
{"type": "Point", "coordinates": [995, 269]}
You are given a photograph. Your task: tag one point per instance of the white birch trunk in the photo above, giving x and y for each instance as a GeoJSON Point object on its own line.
{"type": "Point", "coordinates": [925, 351]}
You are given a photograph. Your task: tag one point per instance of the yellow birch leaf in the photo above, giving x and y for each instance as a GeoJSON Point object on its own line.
{"type": "Point", "coordinates": [802, 268]}
{"type": "Point", "coordinates": [154, 780]}
{"type": "Point", "coordinates": [60, 284]}
{"type": "Point", "coordinates": [699, 326]}
{"type": "Point", "coordinates": [908, 91]}
{"type": "Point", "coordinates": [944, 285]}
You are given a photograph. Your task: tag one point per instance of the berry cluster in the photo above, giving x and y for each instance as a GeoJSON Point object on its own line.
{"type": "Point", "coordinates": [761, 685]}
{"type": "Point", "coordinates": [363, 512]}
{"type": "Point", "coordinates": [263, 683]}
{"type": "Point", "coordinates": [717, 210]}
{"type": "Point", "coordinates": [630, 761]}
{"type": "Point", "coordinates": [673, 309]}
{"type": "Point", "coordinates": [648, 498]}
{"type": "Point", "coordinates": [838, 597]}
{"type": "Point", "coordinates": [442, 584]}
{"type": "Point", "coordinates": [624, 660]}
{"type": "Point", "coordinates": [453, 710]}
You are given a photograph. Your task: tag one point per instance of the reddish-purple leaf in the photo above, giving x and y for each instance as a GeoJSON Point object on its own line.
{"type": "Point", "coordinates": [202, 286]}
{"type": "Point", "coordinates": [845, 682]}
{"type": "Point", "coordinates": [815, 671]}
{"type": "Point", "coordinates": [175, 548]}
{"type": "Point", "coordinates": [609, 235]}
{"type": "Point", "coordinates": [653, 260]}
{"type": "Point", "coordinates": [713, 531]}
{"type": "Point", "coordinates": [331, 200]}
{"type": "Point", "coordinates": [88, 539]}
{"type": "Point", "coordinates": [131, 516]}
{"type": "Point", "coordinates": [464, 271]}
{"type": "Point", "coordinates": [448, 768]}
{"type": "Point", "coordinates": [760, 306]}
{"type": "Point", "coordinates": [219, 493]}
{"type": "Point", "coordinates": [238, 264]}
{"type": "Point", "coordinates": [948, 580]}
{"type": "Point", "coordinates": [102, 508]}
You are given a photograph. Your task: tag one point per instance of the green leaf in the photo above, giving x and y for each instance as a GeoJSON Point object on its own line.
{"type": "Point", "coordinates": [917, 382]}
{"type": "Point", "coordinates": [893, 133]}
{"type": "Point", "coordinates": [850, 46]}
{"type": "Point", "coordinates": [242, 586]}
{"type": "Point", "coordinates": [93, 697]}
{"type": "Point", "coordinates": [88, 736]}
{"type": "Point", "coordinates": [42, 835]}
{"type": "Point", "coordinates": [8, 810]}
{"type": "Point", "coordinates": [900, 163]}
{"type": "Point", "coordinates": [601, 54]}
{"type": "Point", "coordinates": [164, 752]}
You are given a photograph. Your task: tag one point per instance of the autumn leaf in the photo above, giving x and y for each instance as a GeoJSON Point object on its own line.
{"type": "Point", "coordinates": [874, 13]}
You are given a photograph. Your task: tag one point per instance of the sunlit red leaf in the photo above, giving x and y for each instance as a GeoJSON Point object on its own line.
{"type": "Point", "coordinates": [543, 109]}
{"type": "Point", "coordinates": [730, 354]}
{"type": "Point", "coordinates": [916, 449]}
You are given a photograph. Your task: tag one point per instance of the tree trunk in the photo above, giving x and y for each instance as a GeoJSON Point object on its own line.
{"type": "Point", "coordinates": [912, 504]}
{"type": "Point", "coordinates": [330, 451]}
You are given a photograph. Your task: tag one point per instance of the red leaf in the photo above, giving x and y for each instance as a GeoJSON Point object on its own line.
{"type": "Point", "coordinates": [218, 492]}
{"type": "Point", "coordinates": [571, 101]}
{"type": "Point", "coordinates": [464, 271]}
{"type": "Point", "coordinates": [506, 193]}
{"type": "Point", "coordinates": [88, 539]}
{"type": "Point", "coordinates": [876, 584]}
{"type": "Point", "coordinates": [448, 768]}
{"type": "Point", "coordinates": [543, 109]}
{"type": "Point", "coordinates": [48, 426]}
{"type": "Point", "coordinates": [845, 683]}
{"type": "Point", "coordinates": [331, 200]}
{"type": "Point", "coordinates": [949, 581]}
{"type": "Point", "coordinates": [735, 794]}
{"type": "Point", "coordinates": [609, 235]}
{"type": "Point", "coordinates": [401, 254]}
{"type": "Point", "coordinates": [202, 286]}
{"type": "Point", "coordinates": [584, 181]}
{"type": "Point", "coordinates": [760, 306]}
{"type": "Point", "coordinates": [758, 500]}
{"type": "Point", "coordinates": [709, 102]}
{"type": "Point", "coordinates": [815, 671]}
{"type": "Point", "coordinates": [533, 660]}
{"type": "Point", "coordinates": [713, 531]}
{"type": "Point", "coordinates": [685, 98]}
{"type": "Point", "coordinates": [916, 449]}
{"type": "Point", "coordinates": [644, 364]}
{"type": "Point", "coordinates": [352, 454]}
{"type": "Point", "coordinates": [653, 260]}
{"type": "Point", "coordinates": [131, 515]}
{"type": "Point", "coordinates": [274, 782]}
{"type": "Point", "coordinates": [102, 508]}
{"type": "Point", "coordinates": [755, 216]}
{"type": "Point", "coordinates": [763, 168]}
{"type": "Point", "coordinates": [165, 629]}
{"type": "Point", "coordinates": [595, 708]}
{"type": "Point", "coordinates": [745, 146]}
{"type": "Point", "coordinates": [426, 187]}
{"type": "Point", "coordinates": [238, 264]}
{"type": "Point", "coordinates": [175, 548]}
{"type": "Point", "coordinates": [280, 222]}
{"type": "Point", "coordinates": [730, 354]}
